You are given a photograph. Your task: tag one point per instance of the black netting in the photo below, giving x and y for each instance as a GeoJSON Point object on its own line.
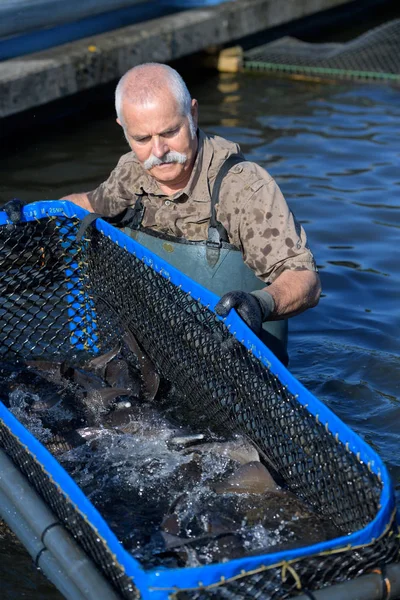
{"type": "Point", "coordinates": [289, 580]}
{"type": "Point", "coordinates": [58, 295]}
{"type": "Point", "coordinates": [221, 381]}
{"type": "Point", "coordinates": [41, 290]}
{"type": "Point", "coordinates": [375, 55]}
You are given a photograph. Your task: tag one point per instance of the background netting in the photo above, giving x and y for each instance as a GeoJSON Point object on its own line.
{"type": "Point", "coordinates": [373, 55]}
{"type": "Point", "coordinates": [58, 295]}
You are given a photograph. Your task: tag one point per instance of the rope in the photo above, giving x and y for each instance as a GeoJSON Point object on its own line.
{"type": "Point", "coordinates": [269, 66]}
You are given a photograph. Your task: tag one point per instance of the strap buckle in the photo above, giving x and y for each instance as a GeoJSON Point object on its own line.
{"type": "Point", "coordinates": [214, 239]}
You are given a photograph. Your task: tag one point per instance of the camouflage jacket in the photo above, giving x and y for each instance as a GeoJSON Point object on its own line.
{"type": "Point", "coordinates": [251, 207]}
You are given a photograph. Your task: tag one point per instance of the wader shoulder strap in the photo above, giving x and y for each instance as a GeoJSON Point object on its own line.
{"type": "Point", "coordinates": [216, 231]}
{"type": "Point", "coordinates": [129, 217]}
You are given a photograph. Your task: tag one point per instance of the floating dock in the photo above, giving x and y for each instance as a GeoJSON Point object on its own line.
{"type": "Point", "coordinates": [33, 80]}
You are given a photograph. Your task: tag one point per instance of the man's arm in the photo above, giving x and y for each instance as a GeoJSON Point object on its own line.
{"type": "Point", "coordinates": [294, 292]}
{"type": "Point", "coordinates": [81, 200]}
{"type": "Point", "coordinates": [274, 247]}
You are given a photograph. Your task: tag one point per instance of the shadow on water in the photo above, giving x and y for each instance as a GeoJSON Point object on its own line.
{"type": "Point", "coordinates": [334, 150]}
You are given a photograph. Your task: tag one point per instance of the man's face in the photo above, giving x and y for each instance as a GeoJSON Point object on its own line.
{"type": "Point", "coordinates": [162, 139]}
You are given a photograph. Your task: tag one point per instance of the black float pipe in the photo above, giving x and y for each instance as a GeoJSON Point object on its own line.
{"type": "Point", "coordinates": [374, 586]}
{"type": "Point", "coordinates": [48, 542]}
{"type": "Point", "coordinates": [41, 556]}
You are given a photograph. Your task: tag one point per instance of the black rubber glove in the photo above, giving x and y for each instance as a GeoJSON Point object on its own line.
{"type": "Point", "coordinates": [254, 308]}
{"type": "Point", "coordinates": [13, 210]}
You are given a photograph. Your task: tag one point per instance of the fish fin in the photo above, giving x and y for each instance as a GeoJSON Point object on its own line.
{"type": "Point", "coordinates": [170, 524]}
{"type": "Point", "coordinates": [87, 381]}
{"type": "Point", "coordinates": [43, 365]}
{"type": "Point", "coordinates": [99, 363]}
{"type": "Point", "coordinates": [51, 371]}
{"type": "Point", "coordinates": [173, 541]}
{"type": "Point", "coordinates": [267, 460]}
{"type": "Point", "coordinates": [151, 379]}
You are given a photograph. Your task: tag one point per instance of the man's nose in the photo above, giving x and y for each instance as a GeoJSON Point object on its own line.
{"type": "Point", "coordinates": [159, 146]}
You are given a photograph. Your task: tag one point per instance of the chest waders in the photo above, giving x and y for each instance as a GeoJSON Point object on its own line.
{"type": "Point", "coordinates": [214, 263]}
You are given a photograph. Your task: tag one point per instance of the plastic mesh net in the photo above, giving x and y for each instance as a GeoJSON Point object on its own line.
{"type": "Point", "coordinates": [373, 55]}
{"type": "Point", "coordinates": [57, 294]}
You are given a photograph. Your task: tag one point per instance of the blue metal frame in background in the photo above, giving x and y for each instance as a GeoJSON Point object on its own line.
{"type": "Point", "coordinates": [45, 38]}
{"type": "Point", "coordinates": [155, 583]}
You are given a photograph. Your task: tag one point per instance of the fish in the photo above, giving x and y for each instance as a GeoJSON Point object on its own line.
{"type": "Point", "coordinates": [251, 478]}
{"type": "Point", "coordinates": [83, 394]}
{"type": "Point", "coordinates": [117, 375]}
{"type": "Point", "coordinates": [185, 441]}
{"type": "Point", "coordinates": [228, 525]}
{"type": "Point", "coordinates": [151, 379]}
{"type": "Point", "coordinates": [105, 378]}
{"type": "Point", "coordinates": [174, 495]}
{"type": "Point", "coordinates": [58, 399]}
{"type": "Point", "coordinates": [59, 443]}
{"type": "Point", "coordinates": [239, 449]}
{"type": "Point", "coordinates": [99, 363]}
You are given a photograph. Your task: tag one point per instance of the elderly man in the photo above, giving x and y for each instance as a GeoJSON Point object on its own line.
{"type": "Point", "coordinates": [224, 218]}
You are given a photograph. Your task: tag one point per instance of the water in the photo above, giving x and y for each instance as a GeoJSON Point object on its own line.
{"type": "Point", "coordinates": [334, 150]}
{"type": "Point", "coordinates": [151, 489]}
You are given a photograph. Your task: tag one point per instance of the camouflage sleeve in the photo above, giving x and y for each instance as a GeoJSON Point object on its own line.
{"type": "Point", "coordinates": [115, 194]}
{"type": "Point", "coordinates": [260, 223]}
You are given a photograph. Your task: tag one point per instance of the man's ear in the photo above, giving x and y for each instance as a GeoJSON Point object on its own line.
{"type": "Point", "coordinates": [194, 111]}
{"type": "Point", "coordinates": [119, 122]}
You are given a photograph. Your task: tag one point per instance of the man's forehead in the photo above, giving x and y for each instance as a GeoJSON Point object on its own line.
{"type": "Point", "coordinates": [155, 111]}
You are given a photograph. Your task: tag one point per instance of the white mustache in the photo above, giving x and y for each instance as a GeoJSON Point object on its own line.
{"type": "Point", "coordinates": [168, 158]}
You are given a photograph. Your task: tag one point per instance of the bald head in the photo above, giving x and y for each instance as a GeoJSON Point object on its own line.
{"type": "Point", "coordinates": [144, 84]}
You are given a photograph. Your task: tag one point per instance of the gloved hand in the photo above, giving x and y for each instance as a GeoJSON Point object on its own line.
{"type": "Point", "coordinates": [13, 210]}
{"type": "Point", "coordinates": [253, 308]}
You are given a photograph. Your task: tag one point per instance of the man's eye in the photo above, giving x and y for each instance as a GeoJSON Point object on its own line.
{"type": "Point", "coordinates": [171, 133]}
{"type": "Point", "coordinates": [142, 140]}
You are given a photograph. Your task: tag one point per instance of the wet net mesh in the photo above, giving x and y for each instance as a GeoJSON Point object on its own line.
{"type": "Point", "coordinates": [58, 296]}
{"type": "Point", "coordinates": [373, 55]}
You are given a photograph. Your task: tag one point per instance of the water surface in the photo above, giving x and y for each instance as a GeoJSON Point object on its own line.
{"type": "Point", "coordinates": [334, 149]}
